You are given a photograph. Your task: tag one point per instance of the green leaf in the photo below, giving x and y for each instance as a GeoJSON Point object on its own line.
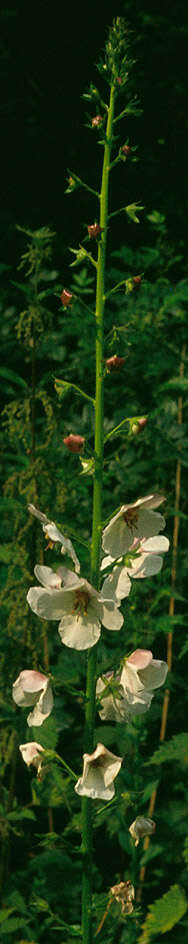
{"type": "Point", "coordinates": [5, 553]}
{"type": "Point", "coordinates": [4, 914]}
{"type": "Point", "coordinates": [185, 852]}
{"type": "Point", "coordinates": [10, 375]}
{"type": "Point", "coordinates": [13, 924]}
{"type": "Point", "coordinates": [164, 914]}
{"type": "Point", "coordinates": [132, 209]}
{"type": "Point", "coordinates": [48, 734]}
{"type": "Point", "coordinates": [175, 749]}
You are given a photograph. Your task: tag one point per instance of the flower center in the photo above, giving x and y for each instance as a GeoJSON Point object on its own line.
{"type": "Point", "coordinates": [51, 544]}
{"type": "Point", "coordinates": [81, 601]}
{"type": "Point", "coordinates": [131, 517]}
{"type": "Point", "coordinates": [98, 762]}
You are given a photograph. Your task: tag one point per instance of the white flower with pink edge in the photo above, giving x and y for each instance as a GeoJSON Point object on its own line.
{"type": "Point", "coordinates": [130, 691]}
{"type": "Point", "coordinates": [33, 688]}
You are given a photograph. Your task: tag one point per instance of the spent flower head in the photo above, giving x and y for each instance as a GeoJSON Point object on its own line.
{"type": "Point", "coordinates": [66, 298]}
{"type": "Point", "coordinates": [94, 231]}
{"type": "Point", "coordinates": [124, 893]}
{"type": "Point", "coordinates": [142, 826]}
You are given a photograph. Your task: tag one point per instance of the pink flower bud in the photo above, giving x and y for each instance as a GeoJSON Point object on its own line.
{"type": "Point", "coordinates": [114, 362]}
{"type": "Point", "coordinates": [94, 230]}
{"type": "Point", "coordinates": [125, 150]}
{"type": "Point", "coordinates": [137, 281]}
{"type": "Point", "coordinates": [97, 121]}
{"type": "Point", "coordinates": [139, 425]}
{"type": "Point", "coordinates": [66, 298]}
{"type": "Point", "coordinates": [74, 443]}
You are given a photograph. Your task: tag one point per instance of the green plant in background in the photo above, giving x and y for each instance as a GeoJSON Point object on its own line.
{"type": "Point", "coordinates": [128, 451]}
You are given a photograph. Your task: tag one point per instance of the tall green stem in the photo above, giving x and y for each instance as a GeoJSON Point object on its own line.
{"type": "Point", "coordinates": [96, 522]}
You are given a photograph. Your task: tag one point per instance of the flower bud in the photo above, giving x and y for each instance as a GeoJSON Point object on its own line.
{"type": "Point", "coordinates": [137, 281]}
{"type": "Point", "coordinates": [124, 152]}
{"type": "Point", "coordinates": [66, 298]}
{"type": "Point", "coordinates": [94, 230]}
{"type": "Point", "coordinates": [139, 425]}
{"type": "Point", "coordinates": [114, 362]}
{"type": "Point", "coordinates": [97, 121]}
{"type": "Point", "coordinates": [74, 443]}
{"type": "Point", "coordinates": [142, 826]}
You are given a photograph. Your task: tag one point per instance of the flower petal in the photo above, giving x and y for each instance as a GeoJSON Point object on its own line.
{"type": "Point", "coordinates": [145, 566]}
{"type": "Point", "coordinates": [47, 577]}
{"type": "Point", "coordinates": [140, 658]}
{"type": "Point", "coordinates": [77, 632]}
{"type": "Point", "coordinates": [43, 707]}
{"type": "Point", "coordinates": [154, 675]}
{"type": "Point", "coordinates": [110, 615]}
{"type": "Point", "coordinates": [50, 604]}
{"type": "Point", "coordinates": [97, 791]}
{"type": "Point", "coordinates": [156, 545]}
{"type": "Point", "coordinates": [117, 584]}
{"type": "Point", "coordinates": [27, 687]}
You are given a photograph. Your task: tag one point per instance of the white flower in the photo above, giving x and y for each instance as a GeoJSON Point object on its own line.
{"type": "Point", "coordinates": [142, 826]}
{"type": "Point", "coordinates": [99, 772]}
{"type": "Point", "coordinates": [32, 754]}
{"type": "Point", "coordinates": [151, 672]}
{"type": "Point", "coordinates": [146, 563]}
{"type": "Point", "coordinates": [33, 688]}
{"type": "Point", "coordinates": [78, 606]}
{"type": "Point", "coordinates": [132, 521]}
{"type": "Point", "coordinates": [118, 583]}
{"type": "Point", "coordinates": [54, 535]}
{"type": "Point", "coordinates": [130, 691]}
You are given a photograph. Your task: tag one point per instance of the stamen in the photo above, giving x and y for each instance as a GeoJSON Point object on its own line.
{"type": "Point", "coordinates": [81, 601]}
{"type": "Point", "coordinates": [131, 518]}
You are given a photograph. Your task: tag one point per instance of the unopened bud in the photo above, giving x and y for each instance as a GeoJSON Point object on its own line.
{"type": "Point", "coordinates": [114, 362]}
{"type": "Point", "coordinates": [66, 298]}
{"type": "Point", "coordinates": [94, 230]}
{"type": "Point", "coordinates": [125, 150]}
{"type": "Point", "coordinates": [142, 826]}
{"type": "Point", "coordinates": [97, 121]}
{"type": "Point", "coordinates": [139, 425]}
{"type": "Point", "coordinates": [74, 443]}
{"type": "Point", "coordinates": [137, 281]}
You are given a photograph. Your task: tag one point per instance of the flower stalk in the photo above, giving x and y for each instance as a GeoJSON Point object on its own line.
{"type": "Point", "coordinates": [96, 519]}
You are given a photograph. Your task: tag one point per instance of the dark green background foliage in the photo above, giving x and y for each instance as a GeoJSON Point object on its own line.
{"type": "Point", "coordinates": [40, 822]}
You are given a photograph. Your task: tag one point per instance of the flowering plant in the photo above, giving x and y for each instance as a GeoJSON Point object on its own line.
{"type": "Point", "coordinates": [126, 547]}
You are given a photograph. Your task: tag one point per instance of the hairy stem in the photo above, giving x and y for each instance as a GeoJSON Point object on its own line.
{"type": "Point", "coordinates": [96, 523]}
